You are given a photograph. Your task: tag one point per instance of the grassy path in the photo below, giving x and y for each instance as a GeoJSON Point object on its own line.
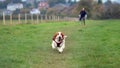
{"type": "Point", "coordinates": [96, 45]}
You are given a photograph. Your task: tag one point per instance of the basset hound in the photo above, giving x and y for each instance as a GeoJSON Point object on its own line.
{"type": "Point", "coordinates": [58, 41]}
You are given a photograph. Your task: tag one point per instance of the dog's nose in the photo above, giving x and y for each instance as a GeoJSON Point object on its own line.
{"type": "Point", "coordinates": [59, 38]}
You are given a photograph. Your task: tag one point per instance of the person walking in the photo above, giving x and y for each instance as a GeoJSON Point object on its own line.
{"type": "Point", "coordinates": [82, 15]}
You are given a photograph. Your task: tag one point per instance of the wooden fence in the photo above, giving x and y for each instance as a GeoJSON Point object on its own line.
{"type": "Point", "coordinates": [29, 18]}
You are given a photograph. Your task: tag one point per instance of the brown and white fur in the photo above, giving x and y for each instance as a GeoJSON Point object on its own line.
{"type": "Point", "coordinates": [58, 41]}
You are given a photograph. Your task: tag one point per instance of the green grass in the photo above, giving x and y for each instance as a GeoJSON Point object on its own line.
{"type": "Point", "coordinates": [96, 45]}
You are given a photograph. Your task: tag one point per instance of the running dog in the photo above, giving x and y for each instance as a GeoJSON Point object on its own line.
{"type": "Point", "coordinates": [58, 41]}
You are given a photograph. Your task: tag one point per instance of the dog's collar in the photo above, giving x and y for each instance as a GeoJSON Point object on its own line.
{"type": "Point", "coordinates": [58, 43]}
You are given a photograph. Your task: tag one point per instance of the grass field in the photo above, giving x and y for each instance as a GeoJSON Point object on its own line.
{"type": "Point", "coordinates": [96, 45]}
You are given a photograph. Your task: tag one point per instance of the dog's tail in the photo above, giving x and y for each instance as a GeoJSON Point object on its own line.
{"type": "Point", "coordinates": [65, 36]}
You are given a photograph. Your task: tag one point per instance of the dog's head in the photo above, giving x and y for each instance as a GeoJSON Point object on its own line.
{"type": "Point", "coordinates": [58, 37]}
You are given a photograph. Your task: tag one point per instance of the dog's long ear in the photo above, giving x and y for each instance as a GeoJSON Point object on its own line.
{"type": "Point", "coordinates": [54, 36]}
{"type": "Point", "coordinates": [62, 35]}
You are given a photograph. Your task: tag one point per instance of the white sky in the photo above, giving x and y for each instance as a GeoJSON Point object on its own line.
{"type": "Point", "coordinates": [23, 0]}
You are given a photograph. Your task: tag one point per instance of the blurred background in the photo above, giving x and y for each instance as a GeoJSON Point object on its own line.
{"type": "Point", "coordinates": [96, 9]}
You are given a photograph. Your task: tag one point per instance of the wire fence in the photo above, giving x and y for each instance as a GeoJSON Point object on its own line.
{"type": "Point", "coordinates": [30, 18]}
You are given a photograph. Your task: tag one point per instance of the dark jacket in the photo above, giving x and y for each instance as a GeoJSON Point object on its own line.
{"type": "Point", "coordinates": [83, 13]}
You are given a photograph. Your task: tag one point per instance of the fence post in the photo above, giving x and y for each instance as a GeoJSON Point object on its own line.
{"type": "Point", "coordinates": [37, 18]}
{"type": "Point", "coordinates": [3, 18]}
{"type": "Point", "coordinates": [57, 18]}
{"type": "Point", "coordinates": [19, 18]}
{"type": "Point", "coordinates": [46, 17]}
{"type": "Point", "coordinates": [25, 18]}
{"type": "Point", "coordinates": [10, 18]}
{"type": "Point", "coordinates": [41, 18]}
{"type": "Point", "coordinates": [49, 17]}
{"type": "Point", "coordinates": [53, 17]}
{"type": "Point", "coordinates": [32, 17]}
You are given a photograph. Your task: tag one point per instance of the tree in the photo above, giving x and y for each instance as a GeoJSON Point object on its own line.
{"type": "Point", "coordinates": [54, 2]}
{"type": "Point", "coordinates": [8, 1]}
{"type": "Point", "coordinates": [87, 4]}
{"type": "Point", "coordinates": [4, 4]}
{"type": "Point", "coordinates": [36, 4]}
{"type": "Point", "coordinates": [112, 10]}
{"type": "Point", "coordinates": [98, 9]}
{"type": "Point", "coordinates": [99, 1]}
{"type": "Point", "coordinates": [28, 5]}
{"type": "Point", "coordinates": [16, 1]}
